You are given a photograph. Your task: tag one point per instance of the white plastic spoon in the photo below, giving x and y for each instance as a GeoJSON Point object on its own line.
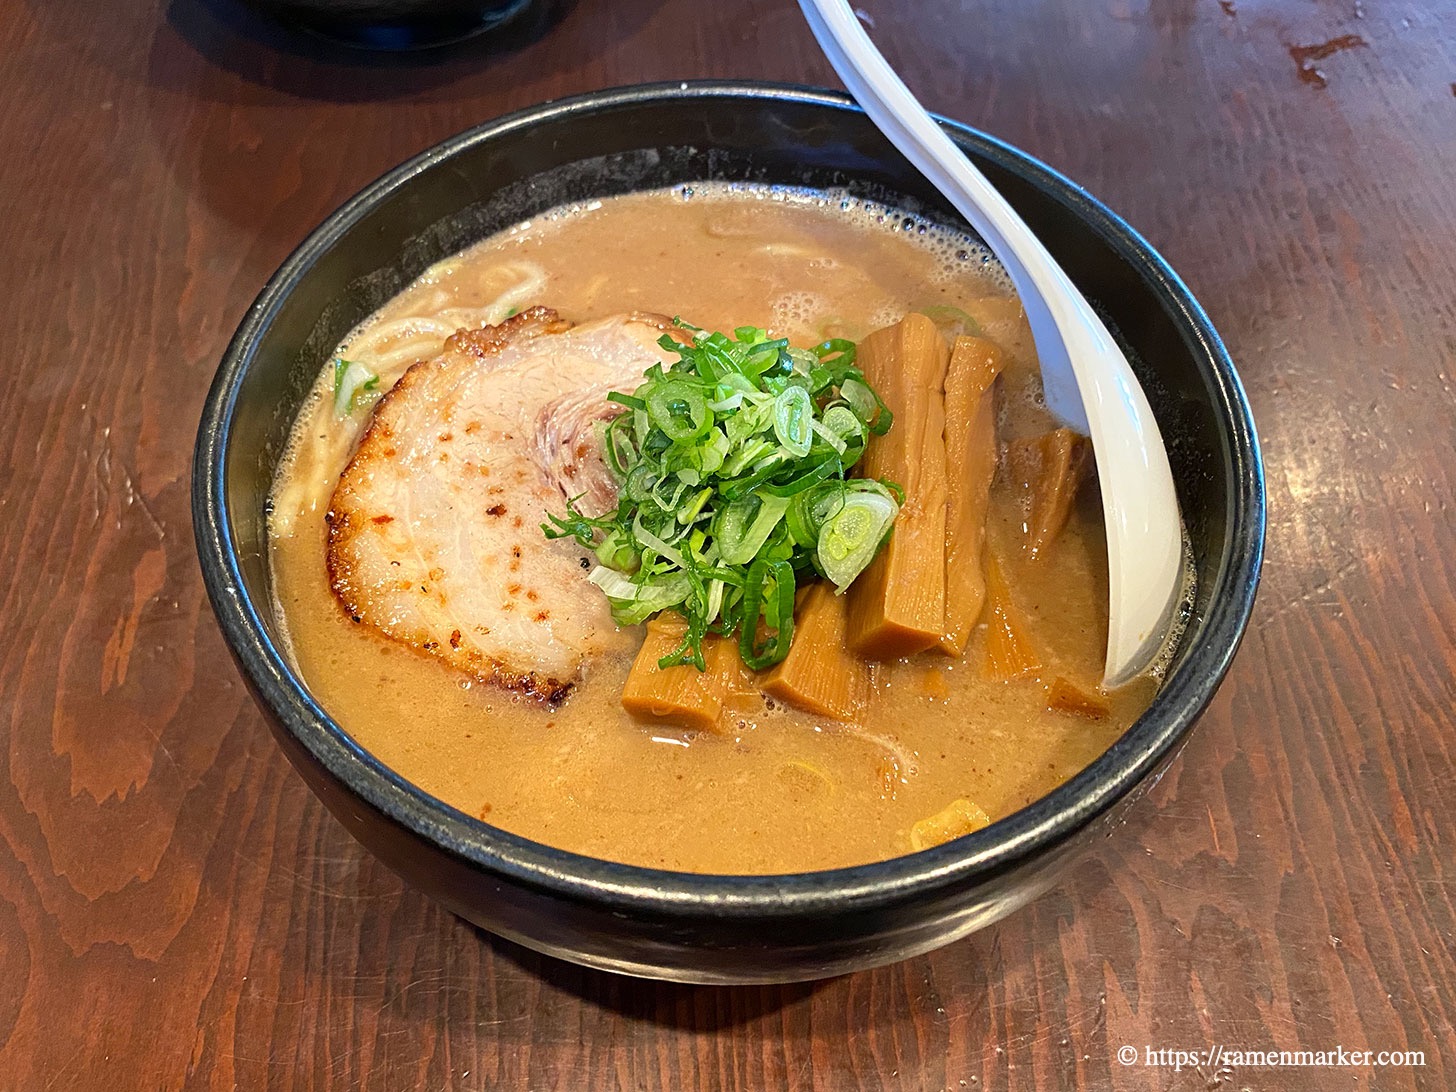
{"type": "Point", "coordinates": [1087, 379]}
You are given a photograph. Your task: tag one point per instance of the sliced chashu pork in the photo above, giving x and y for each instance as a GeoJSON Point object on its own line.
{"type": "Point", "coordinates": [435, 527]}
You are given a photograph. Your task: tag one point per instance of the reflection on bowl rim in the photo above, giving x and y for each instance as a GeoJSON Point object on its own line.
{"type": "Point", "coordinates": [1040, 825]}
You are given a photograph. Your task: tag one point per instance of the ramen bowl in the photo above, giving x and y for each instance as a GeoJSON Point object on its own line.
{"type": "Point", "coordinates": [673, 925]}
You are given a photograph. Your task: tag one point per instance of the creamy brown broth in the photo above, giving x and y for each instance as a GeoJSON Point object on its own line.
{"type": "Point", "coordinates": [782, 791]}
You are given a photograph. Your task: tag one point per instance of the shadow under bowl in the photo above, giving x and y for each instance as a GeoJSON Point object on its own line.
{"type": "Point", "coordinates": [687, 927]}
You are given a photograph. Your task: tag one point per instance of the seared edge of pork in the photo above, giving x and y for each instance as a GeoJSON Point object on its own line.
{"type": "Point", "coordinates": [541, 449]}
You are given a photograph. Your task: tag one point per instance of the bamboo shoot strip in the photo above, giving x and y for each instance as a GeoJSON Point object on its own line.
{"type": "Point", "coordinates": [1066, 696]}
{"type": "Point", "coordinates": [1010, 653]}
{"type": "Point", "coordinates": [970, 455]}
{"type": "Point", "coordinates": [680, 695]}
{"type": "Point", "coordinates": [820, 674]}
{"type": "Point", "coordinates": [897, 606]}
{"type": "Point", "coordinates": [1047, 469]}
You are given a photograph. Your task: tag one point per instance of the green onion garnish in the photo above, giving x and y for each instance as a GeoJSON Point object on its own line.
{"type": "Point", "coordinates": [732, 466]}
{"type": "Point", "coordinates": [943, 314]}
{"type": "Point", "coordinates": [351, 380]}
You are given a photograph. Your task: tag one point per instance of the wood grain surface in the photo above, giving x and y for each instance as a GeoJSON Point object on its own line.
{"type": "Point", "coordinates": [177, 911]}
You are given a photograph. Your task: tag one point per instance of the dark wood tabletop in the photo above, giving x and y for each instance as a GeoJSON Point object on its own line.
{"type": "Point", "coordinates": [178, 911]}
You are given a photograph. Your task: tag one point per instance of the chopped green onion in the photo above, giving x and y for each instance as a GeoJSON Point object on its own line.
{"type": "Point", "coordinates": [829, 436]}
{"type": "Point", "coordinates": [743, 526]}
{"type": "Point", "coordinates": [679, 411]}
{"type": "Point", "coordinates": [793, 418]}
{"type": "Point", "coordinates": [828, 468]}
{"type": "Point", "coordinates": [943, 314]}
{"type": "Point", "coordinates": [770, 595]}
{"type": "Point", "coordinates": [844, 423]}
{"type": "Point", "coordinates": [351, 379]}
{"type": "Point", "coordinates": [732, 467]}
{"type": "Point", "coordinates": [850, 538]}
{"type": "Point", "coordinates": [618, 551]}
{"type": "Point", "coordinates": [634, 603]}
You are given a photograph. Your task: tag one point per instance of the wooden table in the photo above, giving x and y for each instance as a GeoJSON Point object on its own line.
{"type": "Point", "coordinates": [177, 911]}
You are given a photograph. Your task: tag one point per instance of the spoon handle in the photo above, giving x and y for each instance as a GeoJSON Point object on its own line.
{"type": "Point", "coordinates": [1087, 381]}
{"type": "Point", "coordinates": [898, 114]}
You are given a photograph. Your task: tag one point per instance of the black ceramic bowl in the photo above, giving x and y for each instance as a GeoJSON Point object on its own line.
{"type": "Point", "coordinates": [398, 24]}
{"type": "Point", "coordinates": [674, 925]}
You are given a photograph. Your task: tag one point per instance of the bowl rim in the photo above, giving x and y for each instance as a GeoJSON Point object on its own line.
{"type": "Point", "coordinates": [1040, 825]}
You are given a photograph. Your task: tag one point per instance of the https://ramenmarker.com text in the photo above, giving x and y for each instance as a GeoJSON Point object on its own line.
{"type": "Point", "coordinates": [1218, 1057]}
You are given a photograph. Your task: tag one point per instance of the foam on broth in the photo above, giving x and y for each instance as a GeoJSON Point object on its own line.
{"type": "Point", "coordinates": [783, 791]}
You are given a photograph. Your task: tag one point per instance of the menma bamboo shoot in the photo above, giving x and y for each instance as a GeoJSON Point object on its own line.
{"type": "Point", "coordinates": [970, 454]}
{"type": "Point", "coordinates": [681, 695]}
{"type": "Point", "coordinates": [1066, 696]}
{"type": "Point", "coordinates": [897, 605]}
{"type": "Point", "coordinates": [820, 674]}
{"type": "Point", "coordinates": [1047, 469]}
{"type": "Point", "coordinates": [1010, 653]}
